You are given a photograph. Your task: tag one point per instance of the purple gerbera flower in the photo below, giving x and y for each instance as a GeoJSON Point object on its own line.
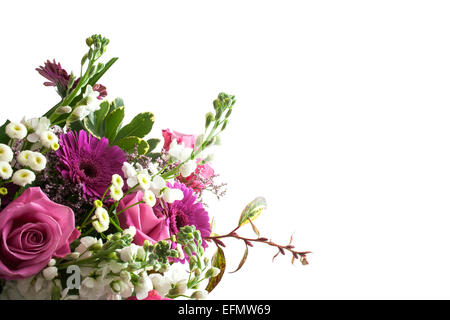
{"type": "Point", "coordinates": [88, 161]}
{"type": "Point", "coordinates": [185, 212]}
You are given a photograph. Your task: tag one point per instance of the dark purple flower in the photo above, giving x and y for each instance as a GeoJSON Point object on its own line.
{"type": "Point", "coordinates": [57, 76]}
{"type": "Point", "coordinates": [88, 161]}
{"type": "Point", "coordinates": [185, 212]}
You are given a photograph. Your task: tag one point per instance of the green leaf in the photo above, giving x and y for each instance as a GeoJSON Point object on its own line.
{"type": "Point", "coordinates": [98, 75]}
{"type": "Point", "coordinates": [218, 261]}
{"type": "Point", "coordinates": [91, 128]}
{"type": "Point", "coordinates": [3, 136]}
{"type": "Point", "coordinates": [152, 143]}
{"type": "Point", "coordinates": [129, 144]}
{"type": "Point", "coordinates": [112, 123]}
{"type": "Point", "coordinates": [76, 125]}
{"type": "Point", "coordinates": [244, 258]}
{"type": "Point", "coordinates": [252, 210]}
{"type": "Point", "coordinates": [100, 116]}
{"type": "Point", "coordinates": [139, 127]}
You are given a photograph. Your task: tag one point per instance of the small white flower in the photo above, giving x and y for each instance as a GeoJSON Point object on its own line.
{"type": "Point", "coordinates": [172, 195]}
{"type": "Point", "coordinates": [16, 130]}
{"type": "Point", "coordinates": [48, 139]}
{"type": "Point", "coordinates": [81, 112]}
{"type": "Point", "coordinates": [179, 151]}
{"type": "Point", "coordinates": [50, 273]}
{"type": "Point", "coordinates": [92, 103]}
{"type": "Point", "coordinates": [51, 263]}
{"type": "Point", "coordinates": [128, 170]}
{"type": "Point", "coordinates": [102, 216]}
{"type": "Point", "coordinates": [115, 193]}
{"type": "Point", "coordinates": [122, 287]}
{"type": "Point", "coordinates": [5, 170]}
{"type": "Point", "coordinates": [160, 283]}
{"type": "Point", "coordinates": [37, 161]}
{"type": "Point", "coordinates": [200, 295]}
{"type": "Point", "coordinates": [144, 181]}
{"type": "Point", "coordinates": [23, 177]}
{"type": "Point", "coordinates": [143, 286]}
{"type": "Point", "coordinates": [131, 231]}
{"type": "Point", "coordinates": [128, 254]}
{"type": "Point", "coordinates": [37, 126]}
{"type": "Point", "coordinates": [157, 184]}
{"type": "Point", "coordinates": [188, 168]}
{"type": "Point", "coordinates": [149, 198]}
{"type": "Point", "coordinates": [117, 181]}
{"type": "Point", "coordinates": [6, 154]}
{"type": "Point", "coordinates": [24, 157]}
{"type": "Point", "coordinates": [85, 244]}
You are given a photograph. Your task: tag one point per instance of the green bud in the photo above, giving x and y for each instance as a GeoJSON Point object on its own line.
{"type": "Point", "coordinates": [218, 113]}
{"type": "Point", "coordinates": [213, 272]}
{"type": "Point", "coordinates": [228, 113]}
{"type": "Point", "coordinates": [95, 247]}
{"type": "Point", "coordinates": [146, 245]}
{"type": "Point", "coordinates": [216, 104]}
{"type": "Point", "coordinates": [206, 260]}
{"type": "Point", "coordinates": [188, 251]}
{"type": "Point", "coordinates": [224, 124]}
{"type": "Point", "coordinates": [192, 263]}
{"type": "Point", "coordinates": [209, 118]}
{"type": "Point", "coordinates": [89, 41]}
{"type": "Point", "coordinates": [198, 272]}
{"type": "Point", "coordinates": [113, 256]}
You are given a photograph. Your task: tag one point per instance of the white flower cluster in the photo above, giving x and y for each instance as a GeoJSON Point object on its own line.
{"type": "Point", "coordinates": [37, 132]}
{"type": "Point", "coordinates": [153, 186]}
{"type": "Point", "coordinates": [181, 153]}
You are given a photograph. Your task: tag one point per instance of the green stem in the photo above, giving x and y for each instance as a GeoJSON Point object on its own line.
{"type": "Point", "coordinates": [137, 203]}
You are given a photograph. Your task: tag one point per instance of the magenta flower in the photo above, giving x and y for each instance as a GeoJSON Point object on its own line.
{"type": "Point", "coordinates": [185, 212]}
{"type": "Point", "coordinates": [33, 230]}
{"type": "Point", "coordinates": [88, 161]}
{"type": "Point", "coordinates": [57, 76]}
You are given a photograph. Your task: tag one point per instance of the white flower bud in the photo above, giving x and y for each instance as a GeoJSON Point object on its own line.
{"type": "Point", "coordinates": [6, 154]}
{"type": "Point", "coordinates": [130, 231]}
{"type": "Point", "coordinates": [63, 110]}
{"type": "Point", "coordinates": [16, 130]}
{"type": "Point", "coordinates": [188, 168]}
{"type": "Point", "coordinates": [51, 263]}
{"type": "Point", "coordinates": [128, 170]}
{"type": "Point", "coordinates": [144, 181]}
{"type": "Point", "coordinates": [50, 273]}
{"type": "Point", "coordinates": [200, 295]}
{"type": "Point", "coordinates": [115, 193]}
{"type": "Point", "coordinates": [24, 157]}
{"type": "Point", "coordinates": [23, 177]}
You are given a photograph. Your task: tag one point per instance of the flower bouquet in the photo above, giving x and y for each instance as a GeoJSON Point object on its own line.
{"type": "Point", "coordinates": [92, 209]}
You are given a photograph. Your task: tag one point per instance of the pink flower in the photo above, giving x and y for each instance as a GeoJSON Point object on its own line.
{"type": "Point", "coordinates": [187, 139]}
{"type": "Point", "coordinates": [33, 230]}
{"type": "Point", "coordinates": [199, 180]}
{"type": "Point", "coordinates": [152, 295]}
{"type": "Point", "coordinates": [148, 225]}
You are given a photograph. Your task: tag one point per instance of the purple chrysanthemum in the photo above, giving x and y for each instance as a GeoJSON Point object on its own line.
{"type": "Point", "coordinates": [185, 212]}
{"type": "Point", "coordinates": [88, 161]}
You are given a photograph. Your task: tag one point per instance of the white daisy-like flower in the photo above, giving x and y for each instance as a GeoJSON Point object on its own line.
{"type": "Point", "coordinates": [102, 216]}
{"type": "Point", "coordinates": [149, 198]}
{"type": "Point", "coordinates": [115, 193]}
{"type": "Point", "coordinates": [24, 157]}
{"type": "Point", "coordinates": [6, 153]}
{"type": "Point", "coordinates": [37, 161]}
{"type": "Point", "coordinates": [6, 170]}
{"type": "Point", "coordinates": [23, 177]}
{"type": "Point", "coordinates": [158, 183]}
{"type": "Point", "coordinates": [48, 138]}
{"type": "Point", "coordinates": [117, 181]}
{"type": "Point", "coordinates": [16, 130]}
{"type": "Point", "coordinates": [143, 180]}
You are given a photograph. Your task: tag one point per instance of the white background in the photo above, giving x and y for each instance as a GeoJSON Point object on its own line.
{"type": "Point", "coordinates": [341, 122]}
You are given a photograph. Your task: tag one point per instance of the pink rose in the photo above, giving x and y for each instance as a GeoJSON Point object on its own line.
{"type": "Point", "coordinates": [148, 225]}
{"type": "Point", "coordinates": [187, 139]}
{"type": "Point", "coordinates": [33, 230]}
{"type": "Point", "coordinates": [152, 295]}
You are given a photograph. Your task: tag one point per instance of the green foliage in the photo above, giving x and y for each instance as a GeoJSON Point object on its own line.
{"type": "Point", "coordinates": [3, 136]}
{"type": "Point", "coordinates": [217, 261]}
{"type": "Point", "coordinates": [139, 127]}
{"type": "Point", "coordinates": [252, 211]}
{"type": "Point", "coordinates": [129, 144]}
